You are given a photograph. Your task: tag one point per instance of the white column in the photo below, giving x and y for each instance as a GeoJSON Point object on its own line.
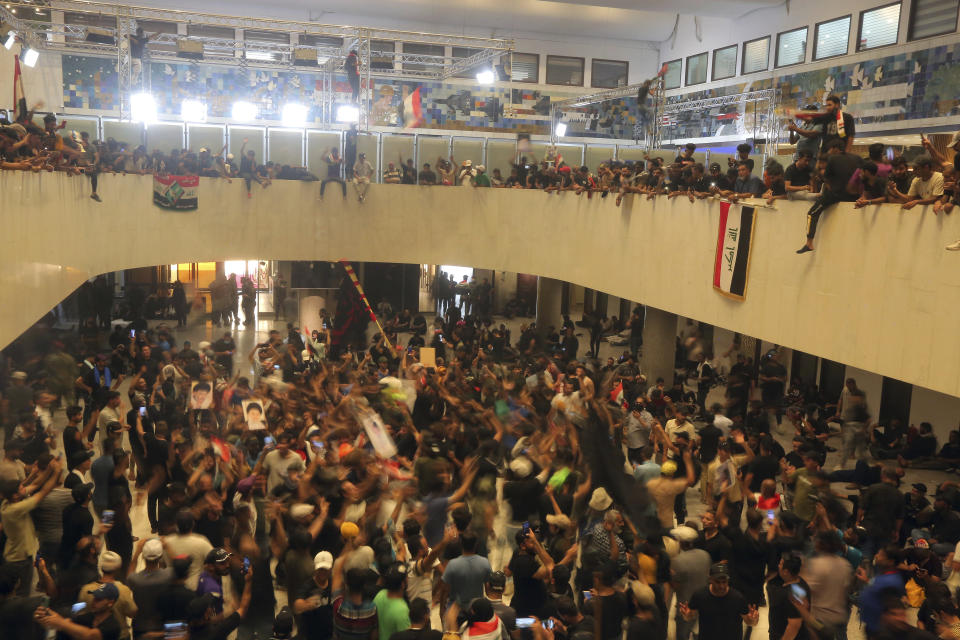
{"type": "Point", "coordinates": [659, 338]}
{"type": "Point", "coordinates": [549, 292]}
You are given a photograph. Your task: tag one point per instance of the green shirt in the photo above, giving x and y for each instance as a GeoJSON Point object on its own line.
{"type": "Point", "coordinates": [392, 614]}
{"type": "Point", "coordinates": [482, 180]}
{"type": "Point", "coordinates": [803, 506]}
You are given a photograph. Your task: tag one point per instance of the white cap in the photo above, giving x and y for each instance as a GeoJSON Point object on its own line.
{"type": "Point", "coordinates": [301, 510]}
{"type": "Point", "coordinates": [323, 560]}
{"type": "Point", "coordinates": [110, 561]}
{"type": "Point", "coordinates": [153, 549]}
{"type": "Point", "coordinates": [684, 534]}
{"type": "Point", "coordinates": [600, 500]}
{"type": "Point", "coordinates": [521, 467]}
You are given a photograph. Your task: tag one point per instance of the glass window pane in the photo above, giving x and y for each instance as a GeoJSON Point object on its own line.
{"type": "Point", "coordinates": [422, 49]}
{"type": "Point", "coordinates": [313, 40]}
{"type": "Point", "coordinates": [467, 149]}
{"type": "Point", "coordinates": [756, 55]}
{"type": "Point", "coordinates": [204, 135]}
{"type": "Point", "coordinates": [206, 272]}
{"type": "Point", "coordinates": [832, 38]}
{"type": "Point", "coordinates": [209, 31]}
{"type": "Point", "coordinates": [633, 153]}
{"type": "Point", "coordinates": [572, 154]}
{"type": "Point", "coordinates": [608, 74]}
{"type": "Point", "coordinates": [367, 143]}
{"type": "Point", "coordinates": [166, 136]}
{"type": "Point", "coordinates": [397, 149]}
{"type": "Point", "coordinates": [129, 133]}
{"type": "Point", "coordinates": [725, 62]}
{"type": "Point", "coordinates": [933, 18]}
{"type": "Point", "coordinates": [791, 47]}
{"type": "Point", "coordinates": [500, 155]}
{"type": "Point", "coordinates": [381, 54]}
{"type": "Point", "coordinates": [525, 67]}
{"type": "Point", "coordinates": [466, 52]}
{"type": "Point", "coordinates": [254, 139]}
{"type": "Point", "coordinates": [565, 70]}
{"type": "Point", "coordinates": [597, 154]}
{"type": "Point", "coordinates": [697, 69]}
{"type": "Point", "coordinates": [319, 143]}
{"type": "Point", "coordinates": [671, 79]}
{"type": "Point", "coordinates": [431, 149]}
{"type": "Point", "coordinates": [286, 147]}
{"type": "Point", "coordinates": [81, 124]}
{"type": "Point", "coordinates": [879, 27]}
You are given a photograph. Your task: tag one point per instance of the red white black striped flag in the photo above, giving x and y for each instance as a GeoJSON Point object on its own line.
{"type": "Point", "coordinates": [734, 241]}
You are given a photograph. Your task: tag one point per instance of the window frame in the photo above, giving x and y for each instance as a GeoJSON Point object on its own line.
{"type": "Point", "coordinates": [776, 55]}
{"type": "Point", "coordinates": [626, 64]}
{"type": "Point", "coordinates": [860, 26]}
{"type": "Point", "coordinates": [536, 77]}
{"type": "Point", "coordinates": [913, 11]}
{"type": "Point", "coordinates": [668, 63]}
{"type": "Point", "coordinates": [816, 38]}
{"type": "Point", "coordinates": [583, 71]}
{"type": "Point", "coordinates": [713, 62]}
{"type": "Point", "coordinates": [686, 69]}
{"type": "Point", "coordinates": [743, 56]}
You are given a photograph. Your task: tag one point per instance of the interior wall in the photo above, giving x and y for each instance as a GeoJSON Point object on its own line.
{"type": "Point", "coordinates": [940, 410]}
{"type": "Point", "coordinates": [890, 262]}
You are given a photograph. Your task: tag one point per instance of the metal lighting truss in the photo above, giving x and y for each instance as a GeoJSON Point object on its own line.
{"type": "Point", "coordinates": [627, 91]}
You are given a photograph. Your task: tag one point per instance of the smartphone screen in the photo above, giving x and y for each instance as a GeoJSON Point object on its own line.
{"type": "Point", "coordinates": [246, 566]}
{"type": "Point", "coordinates": [526, 528]}
{"type": "Point", "coordinates": [548, 623]}
{"type": "Point", "coordinates": [770, 516]}
{"type": "Point", "coordinates": [78, 608]}
{"type": "Point", "coordinates": [174, 630]}
{"type": "Point", "coordinates": [798, 591]}
{"type": "Point", "coordinates": [143, 412]}
{"type": "Point", "coordinates": [107, 517]}
{"type": "Point", "coordinates": [586, 596]}
{"type": "Point", "coordinates": [133, 333]}
{"type": "Point", "coordinates": [267, 440]}
{"type": "Point", "coordinates": [524, 623]}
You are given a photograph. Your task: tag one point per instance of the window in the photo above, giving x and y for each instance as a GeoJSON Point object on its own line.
{"type": "Point", "coordinates": [791, 47]}
{"type": "Point", "coordinates": [381, 55]}
{"type": "Point", "coordinates": [879, 27]}
{"type": "Point", "coordinates": [95, 20]}
{"type": "Point", "coordinates": [671, 79]}
{"type": "Point", "coordinates": [207, 31]}
{"type": "Point", "coordinates": [525, 67]}
{"type": "Point", "coordinates": [264, 39]}
{"type": "Point", "coordinates": [466, 52]}
{"type": "Point", "coordinates": [154, 27]}
{"type": "Point", "coordinates": [565, 70]}
{"type": "Point", "coordinates": [696, 69]}
{"type": "Point", "coordinates": [932, 18]}
{"type": "Point", "coordinates": [313, 40]}
{"type": "Point", "coordinates": [423, 50]}
{"type": "Point", "coordinates": [831, 38]}
{"type": "Point", "coordinates": [608, 74]}
{"type": "Point", "coordinates": [724, 62]}
{"type": "Point", "coordinates": [756, 55]}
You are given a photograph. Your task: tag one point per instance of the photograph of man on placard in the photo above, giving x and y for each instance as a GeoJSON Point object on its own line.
{"type": "Point", "coordinates": [253, 411]}
{"type": "Point", "coordinates": [200, 395]}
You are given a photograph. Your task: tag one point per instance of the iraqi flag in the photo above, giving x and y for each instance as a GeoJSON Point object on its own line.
{"type": "Point", "coordinates": [412, 112]}
{"type": "Point", "coordinates": [734, 241]}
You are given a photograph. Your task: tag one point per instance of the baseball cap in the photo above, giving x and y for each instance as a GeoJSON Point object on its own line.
{"type": "Point", "coordinates": [719, 570]}
{"type": "Point", "coordinates": [106, 591]}
{"type": "Point", "coordinates": [922, 488]}
{"type": "Point", "coordinates": [600, 500]}
{"type": "Point", "coordinates": [153, 549]}
{"type": "Point", "coordinates": [218, 554]}
{"type": "Point", "coordinates": [82, 492]}
{"type": "Point", "coordinates": [497, 581]}
{"type": "Point", "coordinates": [110, 561]}
{"type": "Point", "coordinates": [668, 468]}
{"type": "Point", "coordinates": [78, 457]}
{"type": "Point", "coordinates": [349, 530]}
{"type": "Point", "coordinates": [323, 560]}
{"type": "Point", "coordinates": [197, 607]}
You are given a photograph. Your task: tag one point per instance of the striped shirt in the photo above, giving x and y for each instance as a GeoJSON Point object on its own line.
{"type": "Point", "coordinates": [353, 621]}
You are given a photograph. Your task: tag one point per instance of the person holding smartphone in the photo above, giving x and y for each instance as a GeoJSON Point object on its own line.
{"type": "Point", "coordinates": [784, 590]}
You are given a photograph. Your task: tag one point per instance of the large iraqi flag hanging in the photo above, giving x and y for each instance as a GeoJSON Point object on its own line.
{"type": "Point", "coordinates": [734, 241]}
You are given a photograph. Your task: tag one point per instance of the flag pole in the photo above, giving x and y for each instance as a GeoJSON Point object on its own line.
{"type": "Point", "coordinates": [356, 284]}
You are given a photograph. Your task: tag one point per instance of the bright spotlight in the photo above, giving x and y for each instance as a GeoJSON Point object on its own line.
{"type": "Point", "coordinates": [561, 129]}
{"type": "Point", "coordinates": [294, 114]}
{"type": "Point", "coordinates": [348, 113]}
{"type": "Point", "coordinates": [11, 38]}
{"type": "Point", "coordinates": [193, 111]}
{"type": "Point", "coordinates": [486, 76]}
{"type": "Point", "coordinates": [143, 108]}
{"type": "Point", "coordinates": [244, 111]}
{"type": "Point", "coordinates": [30, 57]}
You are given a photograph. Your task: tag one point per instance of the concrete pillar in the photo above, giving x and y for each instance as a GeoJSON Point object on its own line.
{"type": "Point", "coordinates": [549, 295]}
{"type": "Point", "coordinates": [659, 338]}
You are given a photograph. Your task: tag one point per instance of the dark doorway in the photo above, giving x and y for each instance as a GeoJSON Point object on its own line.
{"type": "Point", "coordinates": [803, 368]}
{"type": "Point", "coordinates": [895, 398]}
{"type": "Point", "coordinates": [832, 376]}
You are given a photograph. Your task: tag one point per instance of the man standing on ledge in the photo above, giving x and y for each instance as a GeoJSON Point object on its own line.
{"type": "Point", "coordinates": [840, 169]}
{"type": "Point", "coordinates": [838, 125]}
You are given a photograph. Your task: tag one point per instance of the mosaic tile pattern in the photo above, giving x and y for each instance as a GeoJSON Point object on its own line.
{"type": "Point", "coordinates": [921, 84]}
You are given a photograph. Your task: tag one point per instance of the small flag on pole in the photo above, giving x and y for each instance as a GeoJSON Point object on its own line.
{"type": "Point", "coordinates": [412, 112]}
{"type": "Point", "coordinates": [356, 283]}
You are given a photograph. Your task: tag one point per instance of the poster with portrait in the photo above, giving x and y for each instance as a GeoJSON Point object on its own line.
{"type": "Point", "coordinates": [201, 395]}
{"type": "Point", "coordinates": [255, 413]}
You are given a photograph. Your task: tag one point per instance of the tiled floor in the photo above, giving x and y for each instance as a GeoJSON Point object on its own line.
{"type": "Point", "coordinates": [247, 337]}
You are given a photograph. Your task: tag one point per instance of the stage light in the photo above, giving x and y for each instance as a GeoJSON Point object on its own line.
{"type": "Point", "coordinates": [143, 108]}
{"type": "Point", "coordinates": [294, 114]}
{"type": "Point", "coordinates": [486, 76]}
{"type": "Point", "coordinates": [11, 38]}
{"type": "Point", "coordinates": [30, 57]}
{"type": "Point", "coordinates": [244, 111]}
{"type": "Point", "coordinates": [348, 113]}
{"type": "Point", "coordinates": [561, 129]}
{"type": "Point", "coordinates": [193, 111]}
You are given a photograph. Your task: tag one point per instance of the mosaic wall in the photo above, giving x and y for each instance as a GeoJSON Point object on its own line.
{"type": "Point", "coordinates": [921, 84]}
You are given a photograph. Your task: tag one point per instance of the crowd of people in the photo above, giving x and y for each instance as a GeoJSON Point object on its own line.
{"type": "Point", "coordinates": [327, 486]}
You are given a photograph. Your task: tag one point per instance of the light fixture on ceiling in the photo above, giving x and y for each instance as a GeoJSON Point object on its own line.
{"type": "Point", "coordinates": [348, 113]}
{"type": "Point", "coordinates": [486, 76]}
{"type": "Point", "coordinates": [560, 129]}
{"type": "Point", "coordinates": [30, 57]}
{"type": "Point", "coordinates": [11, 39]}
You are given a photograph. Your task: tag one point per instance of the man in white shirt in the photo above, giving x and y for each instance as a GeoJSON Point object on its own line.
{"type": "Point", "coordinates": [680, 423]}
{"type": "Point", "coordinates": [187, 543]}
{"type": "Point", "coordinates": [927, 187]}
{"type": "Point", "coordinates": [568, 401]}
{"type": "Point", "coordinates": [110, 413]}
{"type": "Point", "coordinates": [721, 421]}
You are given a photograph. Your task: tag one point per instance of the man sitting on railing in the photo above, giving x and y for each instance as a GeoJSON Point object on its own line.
{"type": "Point", "coordinates": [836, 175]}
{"type": "Point", "coordinates": [746, 185]}
{"type": "Point", "coordinates": [926, 188]}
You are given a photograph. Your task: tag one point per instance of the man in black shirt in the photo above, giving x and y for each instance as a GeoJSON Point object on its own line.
{"type": "Point", "coordinates": [874, 187]}
{"type": "Point", "coordinates": [419, 624]}
{"type": "Point", "coordinates": [831, 130]}
{"type": "Point", "coordinates": [721, 609]}
{"type": "Point", "coordinates": [427, 176]}
{"type": "Point", "coordinates": [840, 169]}
{"type": "Point", "coordinates": [797, 176]}
{"type": "Point", "coordinates": [785, 620]}
{"type": "Point", "coordinates": [718, 180]}
{"type": "Point", "coordinates": [530, 576]}
{"type": "Point", "coordinates": [99, 615]}
{"type": "Point", "coordinates": [201, 617]}
{"type": "Point", "coordinates": [313, 603]}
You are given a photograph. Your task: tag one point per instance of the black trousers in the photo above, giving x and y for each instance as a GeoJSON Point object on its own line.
{"type": "Point", "coordinates": [826, 199]}
{"type": "Point", "coordinates": [343, 185]}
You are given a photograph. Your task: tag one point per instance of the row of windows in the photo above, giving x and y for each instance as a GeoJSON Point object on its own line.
{"type": "Point", "coordinates": [878, 27]}
{"type": "Point", "coordinates": [567, 70]}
